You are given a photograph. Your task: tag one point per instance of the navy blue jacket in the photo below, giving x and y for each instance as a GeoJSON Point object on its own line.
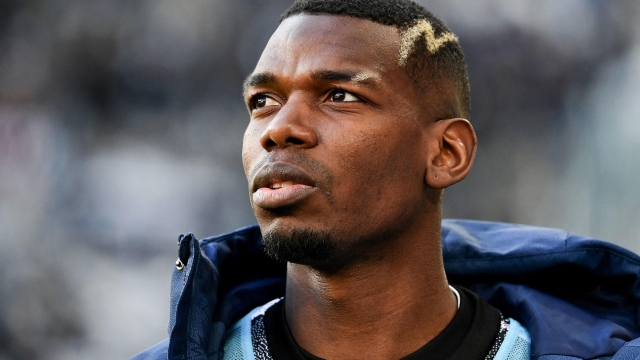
{"type": "Point", "coordinates": [578, 297]}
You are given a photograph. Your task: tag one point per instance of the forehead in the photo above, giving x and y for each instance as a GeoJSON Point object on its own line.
{"type": "Point", "coordinates": [305, 43]}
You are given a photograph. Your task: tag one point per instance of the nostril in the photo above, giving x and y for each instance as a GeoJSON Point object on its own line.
{"type": "Point", "coordinates": [295, 141]}
{"type": "Point", "coordinates": [271, 143]}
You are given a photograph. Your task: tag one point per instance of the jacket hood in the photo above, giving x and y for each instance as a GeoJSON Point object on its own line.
{"type": "Point", "coordinates": [576, 296]}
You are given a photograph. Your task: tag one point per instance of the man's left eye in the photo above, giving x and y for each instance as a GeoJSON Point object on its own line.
{"type": "Point", "coordinates": [342, 96]}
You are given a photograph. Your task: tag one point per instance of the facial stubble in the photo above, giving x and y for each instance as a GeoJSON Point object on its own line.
{"type": "Point", "coordinates": [301, 246]}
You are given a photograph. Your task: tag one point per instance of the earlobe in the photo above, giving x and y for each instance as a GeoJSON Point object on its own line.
{"type": "Point", "coordinates": [452, 149]}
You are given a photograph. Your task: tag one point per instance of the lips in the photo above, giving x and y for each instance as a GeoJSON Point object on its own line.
{"type": "Point", "coordinates": [280, 184]}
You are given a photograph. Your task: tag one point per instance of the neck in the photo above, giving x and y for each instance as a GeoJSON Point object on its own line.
{"type": "Point", "coordinates": [386, 306]}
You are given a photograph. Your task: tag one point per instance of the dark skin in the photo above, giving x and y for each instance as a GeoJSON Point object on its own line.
{"type": "Point", "coordinates": [328, 100]}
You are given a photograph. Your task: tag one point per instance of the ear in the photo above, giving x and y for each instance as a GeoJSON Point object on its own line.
{"type": "Point", "coordinates": [452, 148]}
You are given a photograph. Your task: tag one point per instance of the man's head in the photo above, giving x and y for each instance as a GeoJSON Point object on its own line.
{"type": "Point", "coordinates": [355, 129]}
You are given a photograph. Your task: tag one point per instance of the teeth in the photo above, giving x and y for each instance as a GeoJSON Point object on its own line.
{"type": "Point", "coordinates": [281, 185]}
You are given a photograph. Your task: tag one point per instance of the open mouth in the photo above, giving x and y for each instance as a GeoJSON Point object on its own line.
{"type": "Point", "coordinates": [280, 175]}
{"type": "Point", "coordinates": [280, 185]}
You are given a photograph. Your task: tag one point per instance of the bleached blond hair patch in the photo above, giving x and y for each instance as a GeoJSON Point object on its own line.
{"type": "Point", "coordinates": [412, 34]}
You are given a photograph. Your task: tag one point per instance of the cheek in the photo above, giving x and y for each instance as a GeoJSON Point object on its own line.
{"type": "Point", "coordinates": [250, 147]}
{"type": "Point", "coordinates": [378, 170]}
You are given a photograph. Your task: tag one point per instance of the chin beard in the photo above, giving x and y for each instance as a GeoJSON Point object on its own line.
{"type": "Point", "coordinates": [300, 246]}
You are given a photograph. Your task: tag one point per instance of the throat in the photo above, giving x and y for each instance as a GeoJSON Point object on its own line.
{"type": "Point", "coordinates": [344, 316]}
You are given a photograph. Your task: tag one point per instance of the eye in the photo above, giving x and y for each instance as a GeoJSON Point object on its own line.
{"type": "Point", "coordinates": [262, 101]}
{"type": "Point", "coordinates": [339, 95]}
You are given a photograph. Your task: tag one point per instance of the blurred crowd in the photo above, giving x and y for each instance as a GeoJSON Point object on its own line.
{"type": "Point", "coordinates": [121, 125]}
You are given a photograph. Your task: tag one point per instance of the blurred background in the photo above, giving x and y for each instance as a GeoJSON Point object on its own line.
{"type": "Point", "coordinates": [121, 124]}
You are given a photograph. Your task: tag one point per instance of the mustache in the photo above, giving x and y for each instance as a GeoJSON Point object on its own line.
{"type": "Point", "coordinates": [320, 172]}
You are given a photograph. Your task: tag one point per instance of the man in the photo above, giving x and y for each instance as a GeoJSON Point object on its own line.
{"type": "Point", "coordinates": [357, 125]}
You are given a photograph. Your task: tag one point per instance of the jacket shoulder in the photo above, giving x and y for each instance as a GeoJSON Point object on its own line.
{"type": "Point", "coordinates": [563, 288]}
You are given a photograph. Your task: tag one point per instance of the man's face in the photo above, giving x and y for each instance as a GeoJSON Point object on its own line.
{"type": "Point", "coordinates": [335, 141]}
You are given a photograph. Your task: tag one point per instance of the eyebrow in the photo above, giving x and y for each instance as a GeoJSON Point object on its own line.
{"type": "Point", "coordinates": [258, 79]}
{"type": "Point", "coordinates": [362, 78]}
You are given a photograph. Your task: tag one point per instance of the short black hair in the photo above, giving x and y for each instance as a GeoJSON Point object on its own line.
{"type": "Point", "coordinates": [423, 61]}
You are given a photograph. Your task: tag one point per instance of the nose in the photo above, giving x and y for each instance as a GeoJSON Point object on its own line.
{"type": "Point", "coordinates": [291, 126]}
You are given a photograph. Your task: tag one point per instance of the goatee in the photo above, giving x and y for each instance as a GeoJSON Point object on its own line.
{"type": "Point", "coordinates": [300, 246]}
